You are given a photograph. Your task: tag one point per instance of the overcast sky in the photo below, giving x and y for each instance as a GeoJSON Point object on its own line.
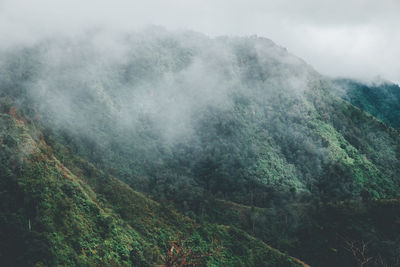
{"type": "Point", "coordinates": [356, 38]}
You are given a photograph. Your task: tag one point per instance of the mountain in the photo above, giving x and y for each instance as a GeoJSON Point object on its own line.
{"type": "Point", "coordinates": [381, 99]}
{"type": "Point", "coordinates": [59, 210]}
{"type": "Point", "coordinates": [210, 131]}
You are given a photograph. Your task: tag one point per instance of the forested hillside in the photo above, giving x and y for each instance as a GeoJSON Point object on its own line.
{"type": "Point", "coordinates": [381, 98]}
{"type": "Point", "coordinates": [232, 131]}
{"type": "Point", "coordinates": [59, 210]}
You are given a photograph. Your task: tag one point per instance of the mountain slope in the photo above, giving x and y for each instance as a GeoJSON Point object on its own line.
{"type": "Point", "coordinates": [343, 233]}
{"type": "Point", "coordinates": [189, 121]}
{"type": "Point", "coordinates": [170, 113]}
{"type": "Point", "coordinates": [381, 99]}
{"type": "Point", "coordinates": [73, 214]}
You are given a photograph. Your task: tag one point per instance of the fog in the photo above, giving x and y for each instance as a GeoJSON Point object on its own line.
{"type": "Point", "coordinates": [140, 100]}
{"type": "Point", "coordinates": [343, 38]}
{"type": "Point", "coordinates": [195, 104]}
{"type": "Point", "coordinates": [168, 77]}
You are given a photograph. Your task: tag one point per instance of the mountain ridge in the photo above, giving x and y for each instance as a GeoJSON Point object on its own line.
{"type": "Point", "coordinates": [192, 122]}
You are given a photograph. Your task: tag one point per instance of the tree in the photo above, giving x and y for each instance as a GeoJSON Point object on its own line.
{"type": "Point", "coordinates": [178, 253]}
{"type": "Point", "coordinates": [358, 250]}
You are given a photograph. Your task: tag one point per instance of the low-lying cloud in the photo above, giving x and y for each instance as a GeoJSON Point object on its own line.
{"type": "Point", "coordinates": [341, 38]}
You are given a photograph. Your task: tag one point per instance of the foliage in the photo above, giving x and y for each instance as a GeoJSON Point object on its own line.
{"type": "Point", "coordinates": [73, 214]}
{"type": "Point", "coordinates": [105, 160]}
{"type": "Point", "coordinates": [380, 99]}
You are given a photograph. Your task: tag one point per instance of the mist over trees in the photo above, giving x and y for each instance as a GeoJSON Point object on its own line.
{"type": "Point", "coordinates": [227, 115]}
{"type": "Point", "coordinates": [198, 122]}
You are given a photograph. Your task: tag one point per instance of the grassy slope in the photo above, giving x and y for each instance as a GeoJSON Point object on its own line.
{"type": "Point", "coordinates": [78, 215]}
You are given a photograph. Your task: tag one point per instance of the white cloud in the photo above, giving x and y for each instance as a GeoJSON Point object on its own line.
{"type": "Point", "coordinates": [357, 38]}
